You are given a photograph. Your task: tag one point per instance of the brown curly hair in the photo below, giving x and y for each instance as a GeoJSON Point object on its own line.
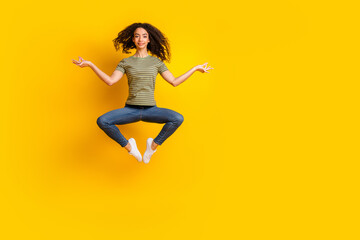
{"type": "Point", "coordinates": [158, 45]}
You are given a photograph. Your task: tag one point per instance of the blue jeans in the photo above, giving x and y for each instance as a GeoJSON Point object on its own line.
{"type": "Point", "coordinates": [132, 113]}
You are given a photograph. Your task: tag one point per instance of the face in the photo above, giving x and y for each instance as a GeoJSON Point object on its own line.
{"type": "Point", "coordinates": [141, 38]}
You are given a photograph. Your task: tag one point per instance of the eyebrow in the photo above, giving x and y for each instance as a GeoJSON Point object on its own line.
{"type": "Point", "coordinates": [139, 34]}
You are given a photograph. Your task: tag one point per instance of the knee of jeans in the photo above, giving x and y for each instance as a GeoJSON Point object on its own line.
{"type": "Point", "coordinates": [101, 121]}
{"type": "Point", "coordinates": [179, 119]}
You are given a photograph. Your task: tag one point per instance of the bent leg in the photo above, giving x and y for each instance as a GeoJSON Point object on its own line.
{"type": "Point", "coordinates": [171, 119]}
{"type": "Point", "coordinates": [119, 116]}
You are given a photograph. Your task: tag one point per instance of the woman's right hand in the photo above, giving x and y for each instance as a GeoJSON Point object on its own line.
{"type": "Point", "coordinates": [82, 63]}
{"type": "Point", "coordinates": [203, 68]}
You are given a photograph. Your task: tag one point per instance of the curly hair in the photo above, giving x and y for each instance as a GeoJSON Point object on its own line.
{"type": "Point", "coordinates": [158, 45]}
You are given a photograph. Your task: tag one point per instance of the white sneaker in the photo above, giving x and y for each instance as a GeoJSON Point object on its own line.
{"type": "Point", "coordinates": [134, 151]}
{"type": "Point", "coordinates": [149, 152]}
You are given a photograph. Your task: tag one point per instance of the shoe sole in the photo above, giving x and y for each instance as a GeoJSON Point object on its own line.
{"type": "Point", "coordinates": [134, 142]}
{"type": "Point", "coordinates": [148, 146]}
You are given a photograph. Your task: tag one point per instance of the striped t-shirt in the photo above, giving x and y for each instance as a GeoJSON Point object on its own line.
{"type": "Point", "coordinates": [141, 74]}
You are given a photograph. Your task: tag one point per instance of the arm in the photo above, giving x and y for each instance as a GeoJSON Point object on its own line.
{"type": "Point", "coordinates": [116, 76]}
{"type": "Point", "coordinates": [169, 77]}
{"type": "Point", "coordinates": [109, 80]}
{"type": "Point", "coordinates": [176, 81]}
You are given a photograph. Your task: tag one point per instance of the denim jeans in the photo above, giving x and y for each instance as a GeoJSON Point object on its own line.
{"type": "Point", "coordinates": [133, 113]}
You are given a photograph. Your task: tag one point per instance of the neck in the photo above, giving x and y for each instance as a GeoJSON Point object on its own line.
{"type": "Point", "coordinates": [141, 53]}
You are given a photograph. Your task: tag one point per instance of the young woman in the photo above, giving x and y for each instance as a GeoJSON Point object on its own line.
{"type": "Point", "coordinates": [141, 70]}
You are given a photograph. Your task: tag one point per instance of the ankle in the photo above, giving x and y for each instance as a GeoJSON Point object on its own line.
{"type": "Point", "coordinates": [154, 146]}
{"type": "Point", "coordinates": [128, 147]}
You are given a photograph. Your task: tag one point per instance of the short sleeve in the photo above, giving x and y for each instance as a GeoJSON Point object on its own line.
{"type": "Point", "coordinates": [162, 67]}
{"type": "Point", "coordinates": [121, 66]}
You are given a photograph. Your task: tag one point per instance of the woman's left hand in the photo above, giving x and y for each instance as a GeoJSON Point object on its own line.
{"type": "Point", "coordinates": [203, 68]}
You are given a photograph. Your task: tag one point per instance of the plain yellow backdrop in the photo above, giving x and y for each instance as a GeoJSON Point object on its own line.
{"type": "Point", "coordinates": [269, 147]}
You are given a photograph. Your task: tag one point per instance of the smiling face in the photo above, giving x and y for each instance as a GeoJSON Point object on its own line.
{"type": "Point", "coordinates": [141, 38]}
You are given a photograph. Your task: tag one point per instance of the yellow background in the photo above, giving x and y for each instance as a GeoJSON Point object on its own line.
{"type": "Point", "coordinates": [269, 147]}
